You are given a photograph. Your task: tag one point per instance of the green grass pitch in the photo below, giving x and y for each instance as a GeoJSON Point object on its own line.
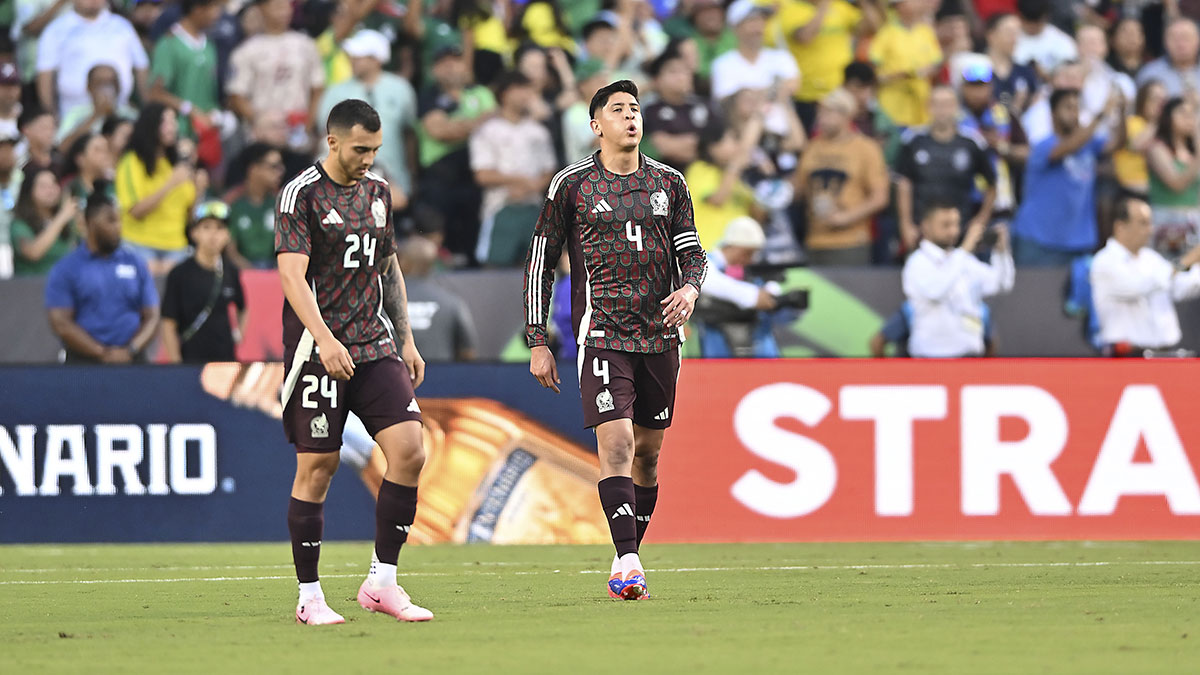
{"type": "Point", "coordinates": [221, 609]}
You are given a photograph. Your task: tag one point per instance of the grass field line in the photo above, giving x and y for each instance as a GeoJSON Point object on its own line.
{"type": "Point", "coordinates": [201, 568]}
{"type": "Point", "coordinates": [771, 568]}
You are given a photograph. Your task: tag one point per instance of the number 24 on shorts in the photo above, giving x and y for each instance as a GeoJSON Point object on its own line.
{"type": "Point", "coordinates": [324, 385]}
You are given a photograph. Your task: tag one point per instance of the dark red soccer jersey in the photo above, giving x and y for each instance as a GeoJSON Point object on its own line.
{"type": "Point", "coordinates": [632, 242]}
{"type": "Point", "coordinates": [346, 231]}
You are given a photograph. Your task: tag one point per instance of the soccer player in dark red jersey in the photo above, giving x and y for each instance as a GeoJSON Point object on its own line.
{"type": "Point", "coordinates": [337, 262]}
{"type": "Point", "coordinates": [626, 222]}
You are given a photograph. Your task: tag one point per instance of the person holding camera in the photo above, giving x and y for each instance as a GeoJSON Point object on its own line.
{"type": "Point", "coordinates": [157, 184]}
{"type": "Point", "coordinates": [945, 285]}
{"type": "Point", "coordinates": [730, 313]}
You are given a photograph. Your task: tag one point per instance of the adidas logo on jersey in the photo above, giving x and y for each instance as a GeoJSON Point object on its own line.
{"type": "Point", "coordinates": [664, 415]}
{"type": "Point", "coordinates": [624, 510]}
{"type": "Point", "coordinates": [413, 407]}
{"type": "Point", "coordinates": [602, 207]}
{"type": "Point", "coordinates": [332, 218]}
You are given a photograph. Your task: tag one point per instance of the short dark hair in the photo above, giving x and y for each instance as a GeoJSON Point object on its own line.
{"type": "Point", "coordinates": [936, 204]}
{"type": "Point", "coordinates": [99, 199]}
{"type": "Point", "coordinates": [257, 152]}
{"type": "Point", "coordinates": [654, 67]}
{"type": "Point", "coordinates": [509, 80]}
{"type": "Point", "coordinates": [1033, 10]}
{"type": "Point", "coordinates": [1124, 207]}
{"type": "Point", "coordinates": [1059, 95]}
{"type": "Point", "coordinates": [95, 70]}
{"type": "Point", "coordinates": [188, 6]}
{"type": "Point", "coordinates": [862, 72]}
{"type": "Point", "coordinates": [592, 26]}
{"type": "Point", "coordinates": [604, 93]}
{"type": "Point", "coordinates": [350, 113]}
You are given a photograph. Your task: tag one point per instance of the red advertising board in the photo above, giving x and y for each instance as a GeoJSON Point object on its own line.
{"type": "Point", "coordinates": [814, 450]}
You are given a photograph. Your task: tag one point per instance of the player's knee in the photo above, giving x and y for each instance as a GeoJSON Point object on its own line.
{"type": "Point", "coordinates": [646, 453]}
{"type": "Point", "coordinates": [619, 451]}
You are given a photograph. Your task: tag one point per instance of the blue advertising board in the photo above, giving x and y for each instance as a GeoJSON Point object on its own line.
{"type": "Point", "coordinates": [151, 453]}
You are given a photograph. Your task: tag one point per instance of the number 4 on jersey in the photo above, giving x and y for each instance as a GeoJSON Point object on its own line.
{"type": "Point", "coordinates": [633, 233]}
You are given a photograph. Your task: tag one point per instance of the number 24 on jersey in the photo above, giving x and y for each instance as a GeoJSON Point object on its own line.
{"type": "Point", "coordinates": [357, 248]}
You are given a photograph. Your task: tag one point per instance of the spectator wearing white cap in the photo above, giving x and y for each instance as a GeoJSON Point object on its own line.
{"type": "Point", "coordinates": [741, 243]}
{"type": "Point", "coordinates": [730, 319]}
{"type": "Point", "coordinates": [392, 96]}
{"type": "Point", "coordinates": [753, 66]}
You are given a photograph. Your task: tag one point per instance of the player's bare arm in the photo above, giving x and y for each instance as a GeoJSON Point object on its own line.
{"type": "Point", "coordinates": [395, 303]}
{"type": "Point", "coordinates": [334, 356]}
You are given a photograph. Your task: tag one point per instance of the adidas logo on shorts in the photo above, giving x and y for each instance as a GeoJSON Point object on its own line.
{"type": "Point", "coordinates": [664, 415]}
{"type": "Point", "coordinates": [413, 407]}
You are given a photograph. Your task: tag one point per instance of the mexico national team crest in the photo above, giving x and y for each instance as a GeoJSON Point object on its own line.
{"type": "Point", "coordinates": [380, 212]}
{"type": "Point", "coordinates": [319, 427]}
{"type": "Point", "coordinates": [659, 204]}
{"type": "Point", "coordinates": [604, 401]}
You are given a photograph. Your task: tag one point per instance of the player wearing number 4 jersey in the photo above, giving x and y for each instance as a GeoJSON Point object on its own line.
{"type": "Point", "coordinates": [337, 263]}
{"type": "Point", "coordinates": [636, 270]}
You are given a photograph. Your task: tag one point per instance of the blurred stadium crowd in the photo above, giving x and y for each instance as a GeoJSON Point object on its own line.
{"type": "Point", "coordinates": [832, 125]}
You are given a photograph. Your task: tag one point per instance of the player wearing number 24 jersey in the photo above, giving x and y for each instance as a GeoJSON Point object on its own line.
{"type": "Point", "coordinates": [637, 267]}
{"type": "Point", "coordinates": [337, 264]}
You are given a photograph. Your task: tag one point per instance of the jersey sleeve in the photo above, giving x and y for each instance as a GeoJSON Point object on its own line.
{"type": "Point", "coordinates": [291, 222]}
{"type": "Point", "coordinates": [549, 235]}
{"type": "Point", "coordinates": [685, 242]}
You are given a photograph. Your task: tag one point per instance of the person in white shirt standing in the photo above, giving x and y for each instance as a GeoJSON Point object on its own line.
{"type": "Point", "coordinates": [1134, 288]}
{"type": "Point", "coordinates": [946, 284]}
{"type": "Point", "coordinates": [753, 66]}
{"type": "Point", "coordinates": [77, 40]}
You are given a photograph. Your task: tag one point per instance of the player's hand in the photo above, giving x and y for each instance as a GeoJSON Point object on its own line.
{"type": "Point", "coordinates": [678, 306]}
{"type": "Point", "coordinates": [543, 367]}
{"type": "Point", "coordinates": [412, 359]}
{"type": "Point", "coordinates": [336, 359]}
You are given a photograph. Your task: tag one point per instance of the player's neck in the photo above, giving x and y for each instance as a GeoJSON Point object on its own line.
{"type": "Point", "coordinates": [620, 162]}
{"type": "Point", "coordinates": [335, 173]}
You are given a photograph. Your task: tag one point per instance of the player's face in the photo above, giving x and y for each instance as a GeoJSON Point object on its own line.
{"type": "Point", "coordinates": [620, 121]}
{"type": "Point", "coordinates": [941, 227]}
{"type": "Point", "coordinates": [355, 150]}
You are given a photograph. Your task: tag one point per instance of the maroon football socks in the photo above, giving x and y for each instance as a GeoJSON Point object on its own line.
{"type": "Point", "coordinates": [394, 513]}
{"type": "Point", "coordinates": [617, 498]}
{"type": "Point", "coordinates": [646, 498]}
{"type": "Point", "coordinates": [306, 522]}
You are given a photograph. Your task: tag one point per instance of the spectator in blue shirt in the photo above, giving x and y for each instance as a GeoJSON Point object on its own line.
{"type": "Point", "coordinates": [1056, 221]}
{"type": "Point", "coordinates": [100, 297]}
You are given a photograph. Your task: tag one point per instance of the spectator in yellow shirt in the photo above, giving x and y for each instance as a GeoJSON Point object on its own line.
{"type": "Point", "coordinates": [907, 56]}
{"type": "Point", "coordinates": [820, 35]}
{"type": "Point", "coordinates": [156, 186]}
{"type": "Point", "coordinates": [719, 194]}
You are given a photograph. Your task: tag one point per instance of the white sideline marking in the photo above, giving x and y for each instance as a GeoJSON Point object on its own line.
{"type": "Point", "coordinates": [910, 566]}
{"type": "Point", "coordinates": [198, 568]}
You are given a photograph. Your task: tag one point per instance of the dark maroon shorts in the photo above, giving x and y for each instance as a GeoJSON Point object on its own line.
{"type": "Point", "coordinates": [315, 408]}
{"type": "Point", "coordinates": [627, 385]}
